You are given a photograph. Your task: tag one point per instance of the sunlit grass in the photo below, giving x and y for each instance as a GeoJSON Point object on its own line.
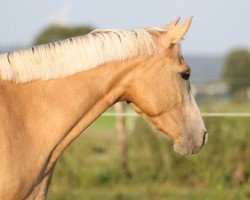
{"type": "Point", "coordinates": [217, 106]}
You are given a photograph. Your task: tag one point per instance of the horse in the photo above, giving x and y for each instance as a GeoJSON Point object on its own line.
{"type": "Point", "coordinates": [49, 94]}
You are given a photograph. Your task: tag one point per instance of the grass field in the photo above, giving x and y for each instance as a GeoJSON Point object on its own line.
{"type": "Point", "coordinates": [90, 167]}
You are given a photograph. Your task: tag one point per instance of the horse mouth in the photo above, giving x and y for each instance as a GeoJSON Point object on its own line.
{"type": "Point", "coordinates": [186, 147]}
{"type": "Point", "coordinates": [183, 149]}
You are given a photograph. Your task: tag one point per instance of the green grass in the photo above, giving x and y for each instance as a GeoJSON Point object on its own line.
{"type": "Point", "coordinates": [153, 191]}
{"type": "Point", "coordinates": [90, 167]}
{"type": "Point", "coordinates": [103, 124]}
{"type": "Point", "coordinates": [217, 106]}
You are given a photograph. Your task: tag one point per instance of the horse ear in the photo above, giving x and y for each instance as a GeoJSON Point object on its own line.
{"type": "Point", "coordinates": [173, 23]}
{"type": "Point", "coordinates": [176, 33]}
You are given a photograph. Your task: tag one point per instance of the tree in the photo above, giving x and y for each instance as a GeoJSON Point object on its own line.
{"type": "Point", "coordinates": [57, 32]}
{"type": "Point", "coordinates": [237, 73]}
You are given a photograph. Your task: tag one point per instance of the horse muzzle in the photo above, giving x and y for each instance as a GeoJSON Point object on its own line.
{"type": "Point", "coordinates": [189, 146]}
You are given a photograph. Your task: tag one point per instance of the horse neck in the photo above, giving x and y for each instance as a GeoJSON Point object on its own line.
{"type": "Point", "coordinates": [104, 86]}
{"type": "Point", "coordinates": [108, 83]}
{"type": "Point", "coordinates": [46, 116]}
{"type": "Point", "coordinates": [66, 104]}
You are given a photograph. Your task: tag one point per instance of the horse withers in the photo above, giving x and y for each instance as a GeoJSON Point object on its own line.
{"type": "Point", "coordinates": [49, 94]}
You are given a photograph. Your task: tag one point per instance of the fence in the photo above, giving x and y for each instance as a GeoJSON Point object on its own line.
{"type": "Point", "coordinates": [130, 114]}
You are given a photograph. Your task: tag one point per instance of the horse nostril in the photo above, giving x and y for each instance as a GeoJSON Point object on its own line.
{"type": "Point", "coordinates": [205, 137]}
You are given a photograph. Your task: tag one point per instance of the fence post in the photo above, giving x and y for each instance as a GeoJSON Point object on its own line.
{"type": "Point", "coordinates": [120, 128]}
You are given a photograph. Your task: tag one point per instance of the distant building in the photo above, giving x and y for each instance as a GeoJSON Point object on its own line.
{"type": "Point", "coordinates": [211, 90]}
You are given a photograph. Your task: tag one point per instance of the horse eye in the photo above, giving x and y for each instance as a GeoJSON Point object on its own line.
{"type": "Point", "coordinates": [185, 75]}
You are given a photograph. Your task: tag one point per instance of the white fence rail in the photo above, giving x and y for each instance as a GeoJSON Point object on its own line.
{"type": "Point", "coordinates": [203, 114]}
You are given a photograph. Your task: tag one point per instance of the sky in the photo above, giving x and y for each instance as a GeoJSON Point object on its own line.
{"type": "Point", "coordinates": [218, 25]}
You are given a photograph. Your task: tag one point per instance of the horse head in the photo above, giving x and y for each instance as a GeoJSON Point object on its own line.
{"type": "Point", "coordinates": [161, 91]}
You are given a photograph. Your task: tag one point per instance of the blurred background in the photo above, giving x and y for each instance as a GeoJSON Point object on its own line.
{"type": "Point", "coordinates": [120, 156]}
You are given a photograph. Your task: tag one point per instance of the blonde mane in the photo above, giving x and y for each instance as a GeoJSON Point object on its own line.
{"type": "Point", "coordinates": [73, 55]}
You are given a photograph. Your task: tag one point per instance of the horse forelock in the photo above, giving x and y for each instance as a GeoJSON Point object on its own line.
{"type": "Point", "coordinates": [73, 55]}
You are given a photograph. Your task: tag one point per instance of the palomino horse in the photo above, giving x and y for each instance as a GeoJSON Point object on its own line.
{"type": "Point", "coordinates": [49, 94]}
